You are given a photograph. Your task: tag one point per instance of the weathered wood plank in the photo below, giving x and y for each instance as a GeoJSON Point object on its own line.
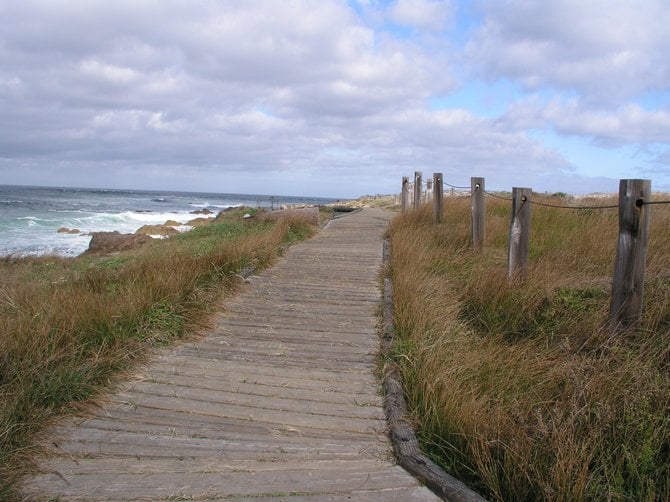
{"type": "Point", "coordinates": [226, 483]}
{"type": "Point", "coordinates": [256, 389]}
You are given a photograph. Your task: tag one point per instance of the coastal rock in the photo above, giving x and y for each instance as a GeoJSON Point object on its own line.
{"type": "Point", "coordinates": [65, 230]}
{"type": "Point", "coordinates": [156, 230]}
{"type": "Point", "coordinates": [198, 222]}
{"type": "Point", "coordinates": [113, 242]}
{"type": "Point", "coordinates": [172, 223]}
{"type": "Point", "coordinates": [202, 211]}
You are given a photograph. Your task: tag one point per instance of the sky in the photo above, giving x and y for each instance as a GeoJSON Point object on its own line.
{"type": "Point", "coordinates": [334, 98]}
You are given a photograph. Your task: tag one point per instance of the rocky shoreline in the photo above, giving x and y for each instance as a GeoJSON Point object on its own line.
{"type": "Point", "coordinates": [104, 243]}
{"type": "Point", "coordinates": [109, 243]}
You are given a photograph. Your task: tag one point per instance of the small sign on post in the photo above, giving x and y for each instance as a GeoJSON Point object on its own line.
{"type": "Point", "coordinates": [519, 233]}
{"type": "Point", "coordinates": [477, 212]}
{"type": "Point", "coordinates": [631, 253]}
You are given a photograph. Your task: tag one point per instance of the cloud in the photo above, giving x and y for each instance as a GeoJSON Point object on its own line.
{"type": "Point", "coordinates": [431, 15]}
{"type": "Point", "coordinates": [146, 91]}
{"type": "Point", "coordinates": [627, 124]}
{"type": "Point", "coordinates": [605, 51]}
{"type": "Point", "coordinates": [254, 84]}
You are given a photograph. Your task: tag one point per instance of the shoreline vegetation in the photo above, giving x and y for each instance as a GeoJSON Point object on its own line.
{"type": "Point", "coordinates": [519, 390]}
{"type": "Point", "coordinates": [71, 326]}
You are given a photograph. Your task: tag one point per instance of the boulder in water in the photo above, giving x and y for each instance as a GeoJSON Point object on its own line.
{"type": "Point", "coordinates": [65, 230]}
{"type": "Point", "coordinates": [202, 211]}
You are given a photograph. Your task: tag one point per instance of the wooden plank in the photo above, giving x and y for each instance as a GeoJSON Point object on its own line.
{"type": "Point", "coordinates": [151, 420]}
{"type": "Point", "coordinates": [312, 405]}
{"type": "Point", "coordinates": [213, 465]}
{"type": "Point", "coordinates": [118, 445]}
{"type": "Point", "coordinates": [226, 483]}
{"type": "Point", "coordinates": [282, 373]}
{"type": "Point", "coordinates": [256, 390]}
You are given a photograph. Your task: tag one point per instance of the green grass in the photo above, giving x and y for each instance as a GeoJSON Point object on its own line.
{"type": "Point", "coordinates": [71, 326]}
{"type": "Point", "coordinates": [519, 389]}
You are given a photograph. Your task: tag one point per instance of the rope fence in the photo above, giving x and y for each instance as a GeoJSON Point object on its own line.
{"type": "Point", "coordinates": [630, 262]}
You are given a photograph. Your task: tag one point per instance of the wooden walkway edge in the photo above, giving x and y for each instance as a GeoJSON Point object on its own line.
{"type": "Point", "coordinates": [280, 400]}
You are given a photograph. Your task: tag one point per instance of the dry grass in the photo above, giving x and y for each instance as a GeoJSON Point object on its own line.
{"type": "Point", "coordinates": [70, 325]}
{"type": "Point", "coordinates": [519, 389]}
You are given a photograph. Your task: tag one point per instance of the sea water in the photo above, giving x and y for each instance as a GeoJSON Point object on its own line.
{"type": "Point", "coordinates": [31, 216]}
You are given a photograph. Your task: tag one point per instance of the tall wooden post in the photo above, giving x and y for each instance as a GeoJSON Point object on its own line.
{"type": "Point", "coordinates": [404, 194]}
{"type": "Point", "coordinates": [519, 233]}
{"type": "Point", "coordinates": [437, 197]}
{"type": "Point", "coordinates": [631, 253]}
{"type": "Point", "coordinates": [478, 212]}
{"type": "Point", "coordinates": [417, 189]}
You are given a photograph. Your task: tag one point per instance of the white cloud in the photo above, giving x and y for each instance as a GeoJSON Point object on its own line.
{"type": "Point", "coordinates": [431, 15]}
{"type": "Point", "coordinates": [264, 87]}
{"type": "Point", "coordinates": [606, 51]}
{"type": "Point", "coordinates": [627, 124]}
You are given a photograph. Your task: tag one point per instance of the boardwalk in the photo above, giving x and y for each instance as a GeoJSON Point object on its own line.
{"type": "Point", "coordinates": [278, 401]}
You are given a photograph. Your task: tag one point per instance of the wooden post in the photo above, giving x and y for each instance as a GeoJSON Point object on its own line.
{"type": "Point", "coordinates": [631, 253]}
{"type": "Point", "coordinates": [417, 189]}
{"type": "Point", "coordinates": [429, 190]}
{"type": "Point", "coordinates": [519, 233]}
{"type": "Point", "coordinates": [404, 194]}
{"type": "Point", "coordinates": [437, 197]}
{"type": "Point", "coordinates": [478, 212]}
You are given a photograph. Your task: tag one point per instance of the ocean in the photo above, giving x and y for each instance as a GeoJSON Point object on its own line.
{"type": "Point", "coordinates": [31, 216]}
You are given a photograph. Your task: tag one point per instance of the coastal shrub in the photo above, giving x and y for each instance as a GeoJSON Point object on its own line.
{"type": "Point", "coordinates": [68, 326]}
{"type": "Point", "coordinates": [519, 389]}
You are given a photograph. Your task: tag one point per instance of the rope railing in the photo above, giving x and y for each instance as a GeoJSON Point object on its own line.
{"type": "Point", "coordinates": [557, 206]}
{"type": "Point", "coordinates": [463, 188]}
{"type": "Point", "coordinates": [628, 280]}
{"type": "Point", "coordinates": [456, 187]}
{"type": "Point", "coordinates": [496, 196]}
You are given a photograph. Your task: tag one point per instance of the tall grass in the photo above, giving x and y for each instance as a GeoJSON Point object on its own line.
{"type": "Point", "coordinates": [518, 388]}
{"type": "Point", "coordinates": [68, 326]}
